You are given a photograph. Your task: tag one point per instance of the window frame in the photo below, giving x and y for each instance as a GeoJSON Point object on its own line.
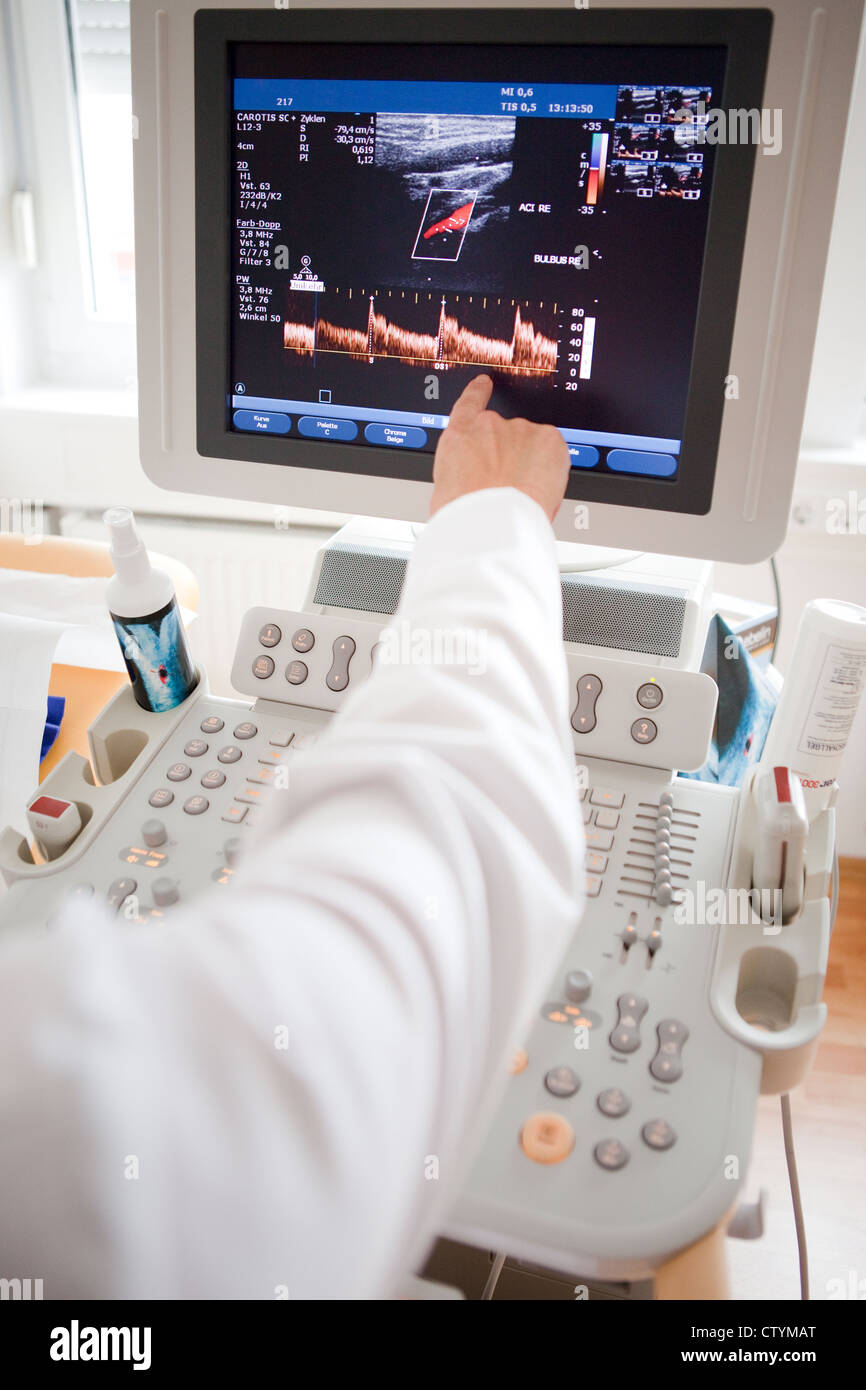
{"type": "Point", "coordinates": [68, 344]}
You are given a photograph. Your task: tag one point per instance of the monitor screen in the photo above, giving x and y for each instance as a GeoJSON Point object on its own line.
{"type": "Point", "coordinates": [399, 216]}
{"type": "Point", "coordinates": [394, 235]}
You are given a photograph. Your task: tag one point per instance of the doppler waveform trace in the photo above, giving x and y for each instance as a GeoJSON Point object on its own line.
{"type": "Point", "coordinates": [528, 353]}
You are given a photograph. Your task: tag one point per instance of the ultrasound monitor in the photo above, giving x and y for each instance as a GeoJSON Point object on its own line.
{"type": "Point", "coordinates": [620, 215]}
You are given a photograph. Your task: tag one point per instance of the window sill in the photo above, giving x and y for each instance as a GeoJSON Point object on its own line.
{"type": "Point", "coordinates": [78, 449]}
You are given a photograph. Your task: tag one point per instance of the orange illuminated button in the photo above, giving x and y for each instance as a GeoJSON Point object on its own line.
{"type": "Point", "coordinates": [519, 1062]}
{"type": "Point", "coordinates": [547, 1138]}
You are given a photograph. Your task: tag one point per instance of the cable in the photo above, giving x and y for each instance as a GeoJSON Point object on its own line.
{"type": "Point", "coordinates": [778, 588]}
{"type": "Point", "coordinates": [493, 1278]}
{"type": "Point", "coordinates": [791, 1160]}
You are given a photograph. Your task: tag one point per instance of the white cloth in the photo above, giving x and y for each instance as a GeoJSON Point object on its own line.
{"type": "Point", "coordinates": [396, 925]}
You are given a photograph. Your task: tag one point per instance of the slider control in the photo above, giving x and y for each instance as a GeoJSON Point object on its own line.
{"type": "Point", "coordinates": [663, 885]}
{"type": "Point", "coordinates": [628, 935]}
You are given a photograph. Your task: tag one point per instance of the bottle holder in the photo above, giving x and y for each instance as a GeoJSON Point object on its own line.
{"type": "Point", "coordinates": [767, 980]}
{"type": "Point", "coordinates": [122, 739]}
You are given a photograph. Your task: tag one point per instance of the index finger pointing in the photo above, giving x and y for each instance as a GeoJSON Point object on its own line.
{"type": "Point", "coordinates": [471, 401]}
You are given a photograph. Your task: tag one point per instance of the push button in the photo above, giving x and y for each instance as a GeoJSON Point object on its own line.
{"type": "Point", "coordinates": [264, 774]}
{"type": "Point", "coordinates": [246, 730]}
{"type": "Point", "coordinates": [338, 676]}
{"type": "Point", "coordinates": [644, 731]}
{"type": "Point", "coordinates": [303, 640]}
{"type": "Point", "coordinates": [583, 720]}
{"type": "Point", "coordinates": [613, 1102]}
{"type": "Point", "coordinates": [251, 795]}
{"type": "Point", "coordinates": [230, 754]}
{"type": "Point", "coordinates": [297, 672]}
{"type": "Point", "coordinates": [119, 891]}
{"type": "Point", "coordinates": [611, 1154]}
{"type": "Point", "coordinates": [599, 839]}
{"type": "Point", "coordinates": [547, 1138]}
{"type": "Point", "coordinates": [667, 1065]}
{"type": "Point", "coordinates": [259, 422]}
{"type": "Point", "coordinates": [212, 725]}
{"type": "Point", "coordinates": [272, 756]}
{"type": "Point", "coordinates": [600, 796]}
{"type": "Point", "coordinates": [650, 465]}
{"type": "Point", "coordinates": [650, 695]}
{"type": "Point", "coordinates": [178, 772]}
{"type": "Point", "coordinates": [582, 455]}
{"type": "Point", "coordinates": [626, 1035]}
{"type": "Point", "coordinates": [270, 635]}
{"type": "Point", "coordinates": [161, 797]}
{"type": "Point", "coordinates": [658, 1134]}
{"type": "Point", "coordinates": [213, 779]}
{"type": "Point", "coordinates": [263, 666]}
{"type": "Point", "coordinates": [320, 427]}
{"type": "Point", "coordinates": [196, 805]}
{"type": "Point", "coordinates": [561, 1082]}
{"type": "Point", "coordinates": [403, 436]}
{"type": "Point", "coordinates": [196, 748]}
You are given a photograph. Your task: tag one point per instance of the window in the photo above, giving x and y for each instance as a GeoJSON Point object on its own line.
{"type": "Point", "coordinates": [74, 327]}
{"type": "Point", "coordinates": [99, 31]}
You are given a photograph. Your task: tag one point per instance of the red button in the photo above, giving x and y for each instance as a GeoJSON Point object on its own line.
{"type": "Point", "coordinates": [50, 806]}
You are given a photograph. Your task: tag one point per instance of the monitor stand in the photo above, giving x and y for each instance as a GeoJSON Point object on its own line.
{"type": "Point", "coordinates": [573, 557]}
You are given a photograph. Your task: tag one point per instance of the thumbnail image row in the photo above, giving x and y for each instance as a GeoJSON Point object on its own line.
{"type": "Point", "coordinates": [645, 179]}
{"type": "Point", "coordinates": [657, 142]}
{"type": "Point", "coordinates": [661, 105]}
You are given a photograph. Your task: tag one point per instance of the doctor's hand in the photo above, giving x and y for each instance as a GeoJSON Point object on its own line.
{"type": "Point", "coordinates": [480, 449]}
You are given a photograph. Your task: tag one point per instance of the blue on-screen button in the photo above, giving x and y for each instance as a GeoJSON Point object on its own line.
{"type": "Point", "coordinates": [583, 455]}
{"type": "Point", "coordinates": [632, 461]}
{"type": "Point", "coordinates": [260, 420]}
{"type": "Point", "coordinates": [325, 427]}
{"type": "Point", "coordinates": [404, 436]}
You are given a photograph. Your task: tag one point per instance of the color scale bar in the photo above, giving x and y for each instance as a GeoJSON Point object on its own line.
{"type": "Point", "coordinates": [597, 166]}
{"type": "Point", "coordinates": [586, 350]}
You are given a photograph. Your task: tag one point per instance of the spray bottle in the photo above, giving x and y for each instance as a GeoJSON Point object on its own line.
{"type": "Point", "coordinates": [147, 620]}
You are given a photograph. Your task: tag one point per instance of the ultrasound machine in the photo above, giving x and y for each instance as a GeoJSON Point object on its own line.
{"type": "Point", "coordinates": [341, 217]}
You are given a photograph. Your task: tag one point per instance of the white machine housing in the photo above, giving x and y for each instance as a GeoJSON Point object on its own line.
{"type": "Point", "coordinates": [811, 65]}
{"type": "Point", "coordinates": [168, 801]}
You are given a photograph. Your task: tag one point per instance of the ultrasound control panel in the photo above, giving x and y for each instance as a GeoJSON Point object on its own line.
{"type": "Point", "coordinates": [608, 1149]}
{"type": "Point", "coordinates": [610, 1145]}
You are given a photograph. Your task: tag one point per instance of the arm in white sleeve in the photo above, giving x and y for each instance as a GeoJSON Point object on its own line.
{"type": "Point", "coordinates": [271, 1092]}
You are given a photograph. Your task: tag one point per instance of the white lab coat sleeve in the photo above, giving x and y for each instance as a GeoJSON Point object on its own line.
{"type": "Point", "coordinates": [272, 1092]}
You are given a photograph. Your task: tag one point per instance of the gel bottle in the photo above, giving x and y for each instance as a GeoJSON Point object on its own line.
{"type": "Point", "coordinates": [147, 620]}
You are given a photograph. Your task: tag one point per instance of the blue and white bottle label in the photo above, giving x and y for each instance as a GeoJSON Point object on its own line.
{"type": "Point", "coordinates": [157, 658]}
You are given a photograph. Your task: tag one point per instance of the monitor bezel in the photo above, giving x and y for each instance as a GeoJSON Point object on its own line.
{"type": "Point", "coordinates": [744, 33]}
